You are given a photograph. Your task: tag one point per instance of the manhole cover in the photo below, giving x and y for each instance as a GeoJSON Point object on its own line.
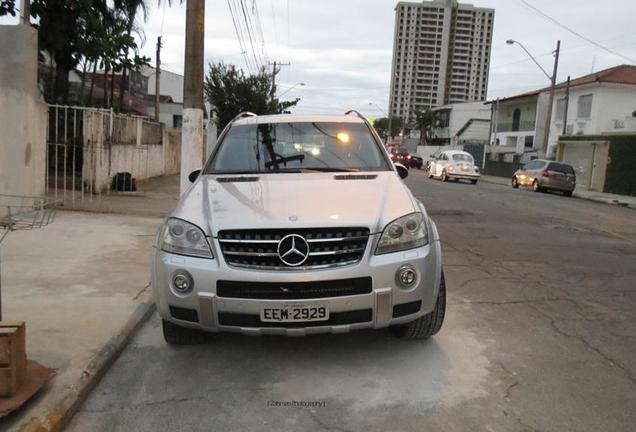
{"type": "Point", "coordinates": [569, 228]}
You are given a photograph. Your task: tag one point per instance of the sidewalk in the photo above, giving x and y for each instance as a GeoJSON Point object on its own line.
{"type": "Point", "coordinates": [81, 285]}
{"type": "Point", "coordinates": [605, 198]}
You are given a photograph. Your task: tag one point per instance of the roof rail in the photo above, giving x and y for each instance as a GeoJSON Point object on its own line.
{"type": "Point", "coordinates": [243, 115]}
{"type": "Point", "coordinates": [356, 113]}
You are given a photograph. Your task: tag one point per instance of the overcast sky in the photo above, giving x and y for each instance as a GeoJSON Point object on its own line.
{"type": "Point", "coordinates": [342, 49]}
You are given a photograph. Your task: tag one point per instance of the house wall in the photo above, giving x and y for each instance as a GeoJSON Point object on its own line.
{"type": "Point", "coordinates": [612, 107]}
{"type": "Point", "coordinates": [135, 145]}
{"type": "Point", "coordinates": [171, 83]}
{"type": "Point", "coordinates": [459, 115]}
{"type": "Point", "coordinates": [22, 143]}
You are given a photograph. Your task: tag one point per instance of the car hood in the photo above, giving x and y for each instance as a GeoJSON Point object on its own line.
{"type": "Point", "coordinates": [291, 200]}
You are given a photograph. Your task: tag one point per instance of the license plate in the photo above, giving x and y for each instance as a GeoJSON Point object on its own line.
{"type": "Point", "coordinates": [295, 312]}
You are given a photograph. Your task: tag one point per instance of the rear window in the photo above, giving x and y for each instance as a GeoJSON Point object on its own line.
{"type": "Point", "coordinates": [559, 167]}
{"type": "Point", "coordinates": [458, 157]}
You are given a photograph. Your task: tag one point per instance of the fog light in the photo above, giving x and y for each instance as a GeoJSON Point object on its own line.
{"type": "Point", "coordinates": [406, 276]}
{"type": "Point", "coordinates": [182, 282]}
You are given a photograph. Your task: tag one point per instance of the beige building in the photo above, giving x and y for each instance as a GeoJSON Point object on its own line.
{"type": "Point", "coordinates": [441, 55]}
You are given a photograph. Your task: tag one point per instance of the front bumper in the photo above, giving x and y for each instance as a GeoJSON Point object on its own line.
{"type": "Point", "coordinates": [375, 309]}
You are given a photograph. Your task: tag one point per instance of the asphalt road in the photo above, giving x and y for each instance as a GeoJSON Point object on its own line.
{"type": "Point", "coordinates": [540, 335]}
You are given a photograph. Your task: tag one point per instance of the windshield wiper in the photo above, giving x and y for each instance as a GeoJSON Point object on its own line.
{"type": "Point", "coordinates": [284, 159]}
{"type": "Point", "coordinates": [235, 172]}
{"type": "Point", "coordinates": [331, 169]}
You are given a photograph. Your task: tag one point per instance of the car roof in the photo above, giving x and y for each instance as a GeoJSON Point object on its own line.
{"type": "Point", "coordinates": [294, 118]}
{"type": "Point", "coordinates": [454, 152]}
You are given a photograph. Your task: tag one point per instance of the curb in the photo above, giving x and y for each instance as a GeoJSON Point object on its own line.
{"type": "Point", "coordinates": [71, 399]}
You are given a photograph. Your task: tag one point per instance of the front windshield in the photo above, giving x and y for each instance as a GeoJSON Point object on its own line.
{"type": "Point", "coordinates": [458, 157]}
{"type": "Point", "coordinates": [280, 147]}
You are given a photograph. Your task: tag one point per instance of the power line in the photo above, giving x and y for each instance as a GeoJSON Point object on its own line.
{"type": "Point", "coordinates": [259, 63]}
{"type": "Point", "coordinates": [563, 26]}
{"type": "Point", "coordinates": [259, 30]}
{"type": "Point", "coordinates": [239, 36]}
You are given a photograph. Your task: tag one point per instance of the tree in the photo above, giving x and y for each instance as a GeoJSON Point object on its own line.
{"type": "Point", "coordinates": [7, 7]}
{"type": "Point", "coordinates": [424, 122]}
{"type": "Point", "coordinates": [381, 125]}
{"type": "Point", "coordinates": [130, 8]}
{"type": "Point", "coordinates": [231, 92]}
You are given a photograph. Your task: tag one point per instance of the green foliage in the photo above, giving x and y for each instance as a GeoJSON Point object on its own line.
{"type": "Point", "coordinates": [231, 92]}
{"type": "Point", "coordinates": [381, 125]}
{"type": "Point", "coordinates": [87, 31]}
{"type": "Point", "coordinates": [424, 122]}
{"type": "Point", "coordinates": [7, 7]}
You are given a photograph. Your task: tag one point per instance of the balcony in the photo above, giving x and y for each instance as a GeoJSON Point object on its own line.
{"type": "Point", "coordinates": [522, 126]}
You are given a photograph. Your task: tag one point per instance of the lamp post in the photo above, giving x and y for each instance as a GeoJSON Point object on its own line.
{"type": "Point", "coordinates": [546, 132]}
{"type": "Point", "coordinates": [389, 135]}
{"type": "Point", "coordinates": [301, 84]}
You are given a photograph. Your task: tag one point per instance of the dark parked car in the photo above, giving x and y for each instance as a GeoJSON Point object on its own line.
{"type": "Point", "coordinates": [543, 175]}
{"type": "Point", "coordinates": [403, 156]}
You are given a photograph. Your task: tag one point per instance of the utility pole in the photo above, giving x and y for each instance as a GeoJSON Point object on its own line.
{"type": "Point", "coordinates": [276, 69]}
{"type": "Point", "coordinates": [192, 152]}
{"type": "Point", "coordinates": [546, 132]}
{"type": "Point", "coordinates": [565, 108]}
{"type": "Point", "coordinates": [25, 12]}
{"type": "Point", "coordinates": [157, 78]}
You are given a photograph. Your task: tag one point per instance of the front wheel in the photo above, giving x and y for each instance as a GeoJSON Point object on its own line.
{"type": "Point", "coordinates": [444, 176]}
{"type": "Point", "coordinates": [567, 193]}
{"type": "Point", "coordinates": [427, 325]}
{"type": "Point", "coordinates": [473, 181]}
{"type": "Point", "coordinates": [536, 187]}
{"type": "Point", "coordinates": [515, 183]}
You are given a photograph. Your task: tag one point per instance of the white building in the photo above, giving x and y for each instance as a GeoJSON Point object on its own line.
{"type": "Point", "coordinates": [441, 55]}
{"type": "Point", "coordinates": [461, 123]}
{"type": "Point", "coordinates": [598, 103]}
{"type": "Point", "coordinates": [171, 90]}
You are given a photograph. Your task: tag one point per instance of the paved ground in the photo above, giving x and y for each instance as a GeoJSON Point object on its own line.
{"type": "Point", "coordinates": [540, 336]}
{"type": "Point", "coordinates": [75, 283]}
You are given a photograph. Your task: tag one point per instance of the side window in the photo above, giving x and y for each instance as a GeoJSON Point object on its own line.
{"type": "Point", "coordinates": [584, 109]}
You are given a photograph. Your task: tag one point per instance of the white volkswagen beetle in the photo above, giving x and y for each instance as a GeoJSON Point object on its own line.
{"type": "Point", "coordinates": [454, 164]}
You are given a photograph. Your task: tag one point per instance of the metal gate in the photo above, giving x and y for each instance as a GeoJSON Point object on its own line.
{"type": "Point", "coordinates": [88, 147]}
{"type": "Point", "coordinates": [477, 152]}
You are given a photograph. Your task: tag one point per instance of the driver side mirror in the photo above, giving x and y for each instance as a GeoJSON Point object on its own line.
{"type": "Point", "coordinates": [194, 175]}
{"type": "Point", "coordinates": [402, 171]}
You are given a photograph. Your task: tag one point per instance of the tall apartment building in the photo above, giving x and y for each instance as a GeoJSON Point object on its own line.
{"type": "Point", "coordinates": [441, 55]}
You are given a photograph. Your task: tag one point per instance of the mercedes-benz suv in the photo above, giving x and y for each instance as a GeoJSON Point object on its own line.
{"type": "Point", "coordinates": [298, 225]}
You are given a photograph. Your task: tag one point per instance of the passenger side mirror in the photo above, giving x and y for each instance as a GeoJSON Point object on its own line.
{"type": "Point", "coordinates": [194, 175]}
{"type": "Point", "coordinates": [402, 171]}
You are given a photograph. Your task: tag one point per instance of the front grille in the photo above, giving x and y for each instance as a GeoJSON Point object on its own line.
{"type": "Point", "coordinates": [335, 318]}
{"type": "Point", "coordinates": [293, 290]}
{"type": "Point", "coordinates": [406, 308]}
{"type": "Point", "coordinates": [184, 314]}
{"type": "Point", "coordinates": [328, 247]}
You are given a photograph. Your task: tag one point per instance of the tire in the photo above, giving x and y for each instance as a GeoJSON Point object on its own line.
{"type": "Point", "coordinates": [536, 187]}
{"type": "Point", "coordinates": [174, 334]}
{"type": "Point", "coordinates": [444, 176]}
{"type": "Point", "coordinates": [473, 181]}
{"type": "Point", "coordinates": [515, 183]}
{"type": "Point", "coordinates": [567, 193]}
{"type": "Point", "coordinates": [425, 326]}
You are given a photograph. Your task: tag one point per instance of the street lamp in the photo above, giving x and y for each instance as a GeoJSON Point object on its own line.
{"type": "Point", "coordinates": [389, 135]}
{"type": "Point", "coordinates": [302, 84]}
{"type": "Point", "coordinates": [546, 132]}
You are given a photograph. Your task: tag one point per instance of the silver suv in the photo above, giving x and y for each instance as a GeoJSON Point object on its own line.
{"type": "Point", "coordinates": [298, 225]}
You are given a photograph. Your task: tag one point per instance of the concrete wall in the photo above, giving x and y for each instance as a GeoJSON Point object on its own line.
{"type": "Point", "coordinates": [132, 145]}
{"type": "Point", "coordinates": [23, 117]}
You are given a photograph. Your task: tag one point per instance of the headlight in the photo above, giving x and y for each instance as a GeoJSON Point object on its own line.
{"type": "Point", "coordinates": [407, 232]}
{"type": "Point", "coordinates": [183, 238]}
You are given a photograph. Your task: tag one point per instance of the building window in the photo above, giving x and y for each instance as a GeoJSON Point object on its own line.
{"type": "Point", "coordinates": [516, 119]}
{"type": "Point", "coordinates": [528, 141]}
{"type": "Point", "coordinates": [560, 110]}
{"type": "Point", "coordinates": [584, 110]}
{"type": "Point", "coordinates": [177, 121]}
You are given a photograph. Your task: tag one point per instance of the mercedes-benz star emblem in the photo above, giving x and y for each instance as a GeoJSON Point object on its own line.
{"type": "Point", "coordinates": [293, 250]}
